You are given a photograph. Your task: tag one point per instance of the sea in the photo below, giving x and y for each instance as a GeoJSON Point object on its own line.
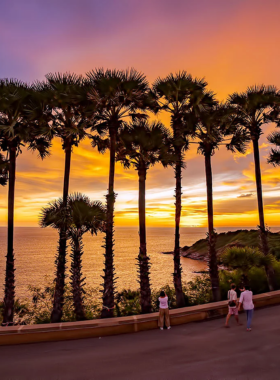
{"type": "Point", "coordinates": [35, 249]}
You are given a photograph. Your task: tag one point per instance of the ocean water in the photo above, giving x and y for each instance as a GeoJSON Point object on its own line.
{"type": "Point", "coordinates": [35, 251]}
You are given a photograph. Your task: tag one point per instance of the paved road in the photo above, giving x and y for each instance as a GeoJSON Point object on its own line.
{"type": "Point", "coordinates": [197, 351]}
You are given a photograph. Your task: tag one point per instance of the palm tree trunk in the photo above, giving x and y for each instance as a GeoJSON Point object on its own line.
{"type": "Point", "coordinates": [77, 281]}
{"type": "Point", "coordinates": [143, 259]}
{"type": "Point", "coordinates": [177, 276]}
{"type": "Point", "coordinates": [61, 257]}
{"type": "Point", "coordinates": [263, 232]}
{"type": "Point", "coordinates": [108, 290]}
{"type": "Point", "coordinates": [213, 266]}
{"type": "Point", "coordinates": [9, 298]}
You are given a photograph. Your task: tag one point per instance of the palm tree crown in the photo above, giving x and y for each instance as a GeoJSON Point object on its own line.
{"type": "Point", "coordinates": [79, 214]}
{"type": "Point", "coordinates": [67, 94]}
{"type": "Point", "coordinates": [254, 108]}
{"type": "Point", "coordinates": [17, 128]}
{"type": "Point", "coordinates": [142, 145]}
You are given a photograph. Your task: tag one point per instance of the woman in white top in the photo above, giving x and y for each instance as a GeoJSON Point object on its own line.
{"type": "Point", "coordinates": [232, 305]}
{"type": "Point", "coordinates": [163, 311]}
{"type": "Point", "coordinates": [246, 299]}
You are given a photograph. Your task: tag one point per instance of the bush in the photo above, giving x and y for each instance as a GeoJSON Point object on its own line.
{"type": "Point", "coordinates": [127, 303]}
{"type": "Point", "coordinates": [256, 279]}
{"type": "Point", "coordinates": [199, 290]}
{"type": "Point", "coordinates": [20, 311]}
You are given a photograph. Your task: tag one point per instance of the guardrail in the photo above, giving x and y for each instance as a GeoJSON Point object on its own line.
{"type": "Point", "coordinates": [122, 325]}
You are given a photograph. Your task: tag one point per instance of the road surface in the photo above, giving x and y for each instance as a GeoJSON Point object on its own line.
{"type": "Point", "coordinates": [197, 351]}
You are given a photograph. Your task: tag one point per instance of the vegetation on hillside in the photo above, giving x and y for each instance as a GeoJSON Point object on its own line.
{"type": "Point", "coordinates": [239, 238]}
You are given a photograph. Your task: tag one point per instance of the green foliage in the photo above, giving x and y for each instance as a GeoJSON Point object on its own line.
{"type": "Point", "coordinates": [38, 310]}
{"type": "Point", "coordinates": [242, 258]}
{"type": "Point", "coordinates": [21, 309]}
{"type": "Point", "coordinates": [238, 238]}
{"type": "Point", "coordinates": [245, 258]}
{"type": "Point", "coordinates": [256, 278]}
{"type": "Point", "coordinates": [196, 292]}
{"type": "Point", "coordinates": [199, 290]}
{"type": "Point", "coordinates": [127, 303]}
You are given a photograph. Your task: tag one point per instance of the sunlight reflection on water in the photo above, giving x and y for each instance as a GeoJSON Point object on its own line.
{"type": "Point", "coordinates": [35, 250]}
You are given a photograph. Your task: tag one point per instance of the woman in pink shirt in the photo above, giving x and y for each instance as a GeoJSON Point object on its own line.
{"type": "Point", "coordinates": [246, 299]}
{"type": "Point", "coordinates": [163, 311]}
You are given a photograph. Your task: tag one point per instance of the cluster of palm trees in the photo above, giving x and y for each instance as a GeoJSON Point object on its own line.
{"type": "Point", "coordinates": [112, 109]}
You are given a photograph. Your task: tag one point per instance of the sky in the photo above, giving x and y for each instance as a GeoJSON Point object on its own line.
{"type": "Point", "coordinates": [232, 44]}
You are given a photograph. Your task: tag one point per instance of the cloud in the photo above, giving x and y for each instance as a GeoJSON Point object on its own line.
{"type": "Point", "coordinates": [245, 195]}
{"type": "Point", "coordinates": [112, 34]}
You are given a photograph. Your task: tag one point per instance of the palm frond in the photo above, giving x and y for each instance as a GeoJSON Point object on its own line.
{"type": "Point", "coordinates": [41, 145]}
{"type": "Point", "coordinates": [274, 157]}
{"type": "Point", "coordinates": [55, 215]}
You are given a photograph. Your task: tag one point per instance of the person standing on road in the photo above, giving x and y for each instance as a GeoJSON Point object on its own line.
{"type": "Point", "coordinates": [246, 299]}
{"type": "Point", "coordinates": [232, 305]}
{"type": "Point", "coordinates": [163, 311]}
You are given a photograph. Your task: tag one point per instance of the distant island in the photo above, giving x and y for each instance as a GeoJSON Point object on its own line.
{"type": "Point", "coordinates": [240, 238]}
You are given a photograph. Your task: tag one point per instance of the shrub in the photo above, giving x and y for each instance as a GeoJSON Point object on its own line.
{"type": "Point", "coordinates": [199, 290]}
{"type": "Point", "coordinates": [127, 303]}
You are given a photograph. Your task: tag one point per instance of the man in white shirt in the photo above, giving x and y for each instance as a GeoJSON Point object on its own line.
{"type": "Point", "coordinates": [246, 299]}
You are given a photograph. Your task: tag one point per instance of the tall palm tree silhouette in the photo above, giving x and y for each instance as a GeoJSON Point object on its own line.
{"type": "Point", "coordinates": [178, 94]}
{"type": "Point", "coordinates": [254, 108]}
{"type": "Point", "coordinates": [16, 130]}
{"type": "Point", "coordinates": [142, 145]}
{"type": "Point", "coordinates": [116, 95]}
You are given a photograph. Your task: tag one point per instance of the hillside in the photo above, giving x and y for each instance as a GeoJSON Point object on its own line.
{"type": "Point", "coordinates": [241, 238]}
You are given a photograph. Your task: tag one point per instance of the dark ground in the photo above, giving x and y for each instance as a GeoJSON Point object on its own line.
{"type": "Point", "coordinates": [197, 351]}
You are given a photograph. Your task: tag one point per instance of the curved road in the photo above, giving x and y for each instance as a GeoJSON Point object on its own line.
{"type": "Point", "coordinates": [197, 351]}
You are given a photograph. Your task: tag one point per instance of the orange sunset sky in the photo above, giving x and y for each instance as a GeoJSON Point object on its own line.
{"type": "Point", "coordinates": [233, 44]}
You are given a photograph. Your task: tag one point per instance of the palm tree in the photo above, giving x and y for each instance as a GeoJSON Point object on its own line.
{"type": "Point", "coordinates": [115, 95]}
{"type": "Point", "coordinates": [79, 216]}
{"type": "Point", "coordinates": [16, 130]}
{"type": "Point", "coordinates": [211, 127]}
{"type": "Point", "coordinates": [178, 94]}
{"type": "Point", "coordinates": [67, 95]}
{"type": "Point", "coordinates": [142, 145]}
{"type": "Point", "coordinates": [254, 108]}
